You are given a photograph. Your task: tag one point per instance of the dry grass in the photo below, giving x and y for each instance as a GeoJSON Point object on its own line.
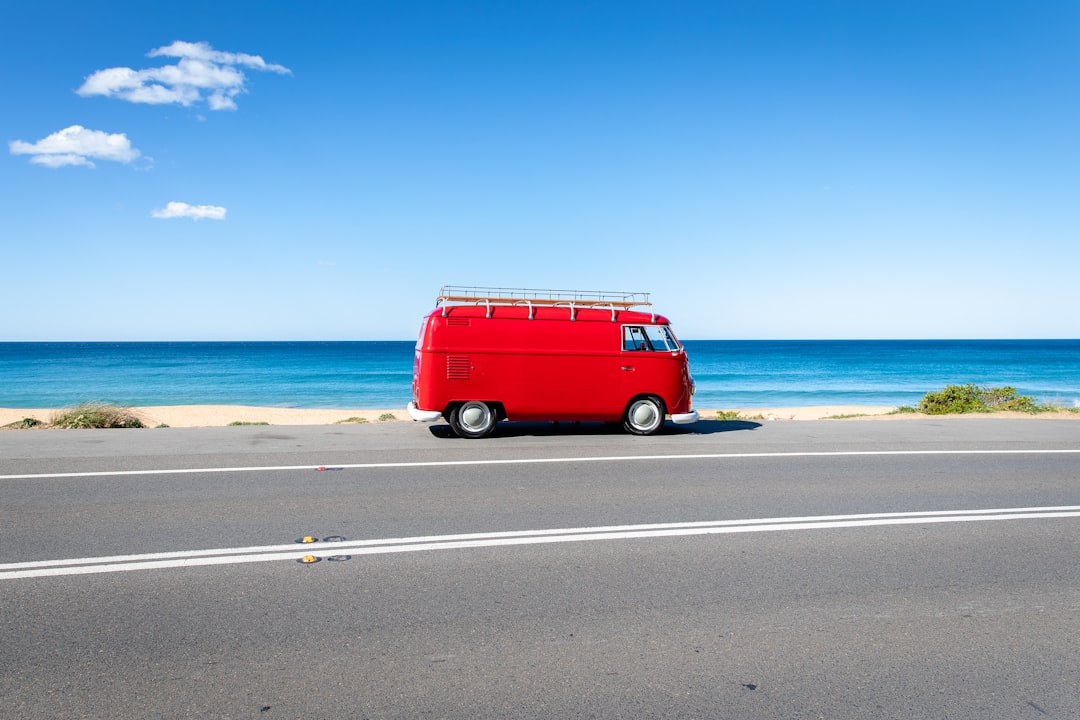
{"type": "Point", "coordinates": [96, 414]}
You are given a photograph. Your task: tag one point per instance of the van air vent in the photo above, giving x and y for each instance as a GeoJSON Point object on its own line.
{"type": "Point", "coordinates": [460, 321]}
{"type": "Point", "coordinates": [457, 367]}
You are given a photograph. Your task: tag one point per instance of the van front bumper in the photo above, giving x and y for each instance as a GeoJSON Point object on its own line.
{"type": "Point", "coordinates": [422, 415]}
{"type": "Point", "coordinates": [685, 418]}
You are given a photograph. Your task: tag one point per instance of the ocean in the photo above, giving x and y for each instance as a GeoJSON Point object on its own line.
{"type": "Point", "coordinates": [729, 373]}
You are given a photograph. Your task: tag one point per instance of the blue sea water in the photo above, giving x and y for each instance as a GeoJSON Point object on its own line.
{"type": "Point", "coordinates": [748, 374]}
{"type": "Point", "coordinates": [729, 373]}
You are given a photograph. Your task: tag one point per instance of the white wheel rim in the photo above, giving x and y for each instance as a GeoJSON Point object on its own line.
{"type": "Point", "coordinates": [644, 415]}
{"type": "Point", "coordinates": [475, 417]}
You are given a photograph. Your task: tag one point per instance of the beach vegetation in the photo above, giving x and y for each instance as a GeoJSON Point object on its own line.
{"type": "Point", "coordinates": [354, 419]}
{"type": "Point", "coordinates": [972, 398]}
{"type": "Point", "coordinates": [239, 423]}
{"type": "Point", "coordinates": [96, 414]}
{"type": "Point", "coordinates": [24, 424]}
{"type": "Point", "coordinates": [729, 415]}
{"type": "Point", "coordinates": [387, 416]}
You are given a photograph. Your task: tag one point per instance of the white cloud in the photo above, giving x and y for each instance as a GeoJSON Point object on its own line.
{"type": "Point", "coordinates": [203, 51]}
{"type": "Point", "coordinates": [76, 145]}
{"type": "Point", "coordinates": [200, 74]}
{"type": "Point", "coordinates": [195, 212]}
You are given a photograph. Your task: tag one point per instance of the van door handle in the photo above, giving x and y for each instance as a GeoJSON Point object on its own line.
{"type": "Point", "coordinates": [628, 367]}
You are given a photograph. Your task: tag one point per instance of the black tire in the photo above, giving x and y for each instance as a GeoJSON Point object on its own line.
{"type": "Point", "coordinates": [644, 415]}
{"type": "Point", "coordinates": [473, 420]}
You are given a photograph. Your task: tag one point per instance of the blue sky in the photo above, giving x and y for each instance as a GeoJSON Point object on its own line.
{"type": "Point", "coordinates": [295, 171]}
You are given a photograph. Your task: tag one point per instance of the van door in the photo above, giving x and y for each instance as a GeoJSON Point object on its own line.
{"type": "Point", "coordinates": [634, 366]}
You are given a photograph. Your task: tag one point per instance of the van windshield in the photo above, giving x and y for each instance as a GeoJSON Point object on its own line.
{"type": "Point", "coordinates": [654, 338]}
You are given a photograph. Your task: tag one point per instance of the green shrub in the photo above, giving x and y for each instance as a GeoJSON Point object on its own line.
{"type": "Point", "coordinates": [387, 416]}
{"type": "Point", "coordinates": [96, 415]}
{"type": "Point", "coordinates": [972, 398]}
{"type": "Point", "coordinates": [24, 424]}
{"type": "Point", "coordinates": [1005, 398]}
{"type": "Point", "coordinates": [728, 415]}
{"type": "Point", "coordinates": [240, 423]}
{"type": "Point", "coordinates": [354, 419]}
{"type": "Point", "coordinates": [952, 399]}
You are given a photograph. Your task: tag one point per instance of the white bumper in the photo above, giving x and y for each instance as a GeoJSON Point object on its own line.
{"type": "Point", "coordinates": [685, 418]}
{"type": "Point", "coordinates": [422, 415]}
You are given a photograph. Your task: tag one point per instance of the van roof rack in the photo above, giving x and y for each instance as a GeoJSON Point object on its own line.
{"type": "Point", "coordinates": [573, 299]}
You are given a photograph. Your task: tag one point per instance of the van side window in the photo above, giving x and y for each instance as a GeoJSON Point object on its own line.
{"type": "Point", "coordinates": [655, 338]}
{"type": "Point", "coordinates": [661, 338]}
{"type": "Point", "coordinates": [634, 338]}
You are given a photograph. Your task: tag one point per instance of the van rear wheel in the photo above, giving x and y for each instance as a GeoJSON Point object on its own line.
{"type": "Point", "coordinates": [644, 416]}
{"type": "Point", "coordinates": [473, 420]}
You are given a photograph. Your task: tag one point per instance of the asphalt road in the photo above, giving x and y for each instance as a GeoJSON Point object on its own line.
{"type": "Point", "coordinates": [830, 569]}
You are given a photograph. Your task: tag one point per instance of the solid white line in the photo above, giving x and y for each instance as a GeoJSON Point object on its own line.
{"type": "Point", "coordinates": [228, 556]}
{"type": "Point", "coordinates": [533, 461]}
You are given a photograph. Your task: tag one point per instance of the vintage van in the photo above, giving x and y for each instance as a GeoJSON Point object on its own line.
{"type": "Point", "coordinates": [491, 354]}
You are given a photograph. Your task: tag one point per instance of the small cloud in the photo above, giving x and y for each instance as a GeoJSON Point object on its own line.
{"type": "Point", "coordinates": [76, 145]}
{"type": "Point", "coordinates": [200, 74]}
{"type": "Point", "coordinates": [195, 212]}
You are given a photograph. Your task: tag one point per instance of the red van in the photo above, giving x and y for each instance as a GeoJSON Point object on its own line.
{"type": "Point", "coordinates": [490, 354]}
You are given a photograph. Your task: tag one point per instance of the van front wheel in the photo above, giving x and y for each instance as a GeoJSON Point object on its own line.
{"type": "Point", "coordinates": [644, 416]}
{"type": "Point", "coordinates": [472, 419]}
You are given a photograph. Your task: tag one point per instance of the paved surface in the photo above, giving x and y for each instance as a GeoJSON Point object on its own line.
{"type": "Point", "coordinates": [729, 570]}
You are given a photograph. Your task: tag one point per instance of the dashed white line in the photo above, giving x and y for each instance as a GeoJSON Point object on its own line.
{"type": "Point", "coordinates": [267, 553]}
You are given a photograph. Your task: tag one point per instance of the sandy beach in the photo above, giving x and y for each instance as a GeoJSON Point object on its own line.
{"type": "Point", "coordinates": [223, 415]}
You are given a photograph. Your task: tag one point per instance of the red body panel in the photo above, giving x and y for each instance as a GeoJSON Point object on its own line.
{"type": "Point", "coordinates": [545, 368]}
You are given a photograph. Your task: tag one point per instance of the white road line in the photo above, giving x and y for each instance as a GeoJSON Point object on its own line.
{"type": "Point", "coordinates": [292, 551]}
{"type": "Point", "coordinates": [533, 461]}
